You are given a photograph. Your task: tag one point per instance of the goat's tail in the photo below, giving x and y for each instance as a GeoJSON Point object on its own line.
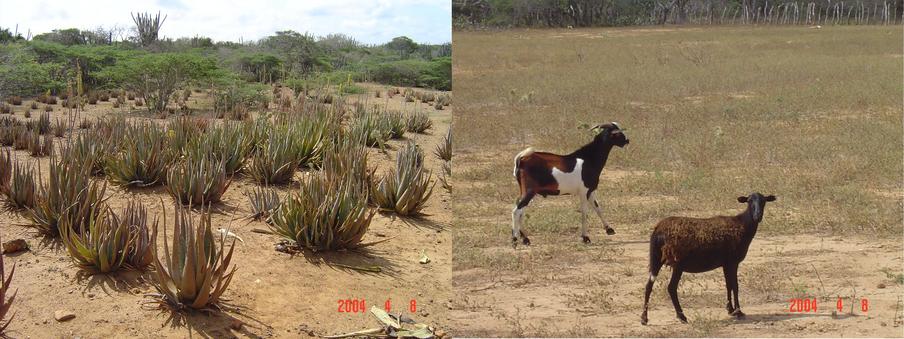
{"type": "Point", "coordinates": [656, 243]}
{"type": "Point", "coordinates": [524, 153]}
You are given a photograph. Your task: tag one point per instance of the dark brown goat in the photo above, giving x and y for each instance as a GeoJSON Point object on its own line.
{"type": "Point", "coordinates": [698, 245]}
{"type": "Point", "coordinates": [577, 173]}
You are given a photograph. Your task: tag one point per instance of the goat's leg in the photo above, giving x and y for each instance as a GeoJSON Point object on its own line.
{"type": "Point", "coordinates": [673, 293]}
{"type": "Point", "coordinates": [655, 266]}
{"type": "Point", "coordinates": [584, 236]}
{"type": "Point", "coordinates": [518, 218]}
{"type": "Point", "coordinates": [734, 289]}
{"type": "Point", "coordinates": [726, 270]}
{"type": "Point", "coordinates": [599, 213]}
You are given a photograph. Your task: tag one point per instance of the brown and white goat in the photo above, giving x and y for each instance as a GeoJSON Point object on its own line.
{"type": "Point", "coordinates": [698, 245]}
{"type": "Point", "coordinates": [577, 174]}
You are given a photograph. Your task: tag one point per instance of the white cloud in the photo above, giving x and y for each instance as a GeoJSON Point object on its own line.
{"type": "Point", "coordinates": [368, 21]}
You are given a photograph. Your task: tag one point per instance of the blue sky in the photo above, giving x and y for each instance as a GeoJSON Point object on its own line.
{"type": "Point", "coordinates": [368, 21]}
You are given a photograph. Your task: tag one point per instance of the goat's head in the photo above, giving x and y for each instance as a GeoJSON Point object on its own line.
{"type": "Point", "coordinates": [755, 203]}
{"type": "Point", "coordinates": [611, 132]}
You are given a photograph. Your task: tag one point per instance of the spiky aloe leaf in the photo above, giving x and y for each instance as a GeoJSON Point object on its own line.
{"type": "Point", "coordinates": [6, 170]}
{"type": "Point", "coordinates": [406, 188]}
{"type": "Point", "coordinates": [182, 131]}
{"type": "Point", "coordinates": [196, 273]}
{"type": "Point", "coordinates": [5, 303]}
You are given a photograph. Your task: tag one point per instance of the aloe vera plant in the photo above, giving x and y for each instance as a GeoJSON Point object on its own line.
{"type": "Point", "coordinates": [197, 271]}
{"type": "Point", "coordinates": [444, 148]}
{"type": "Point", "coordinates": [395, 122]}
{"type": "Point", "coordinates": [183, 131]}
{"type": "Point", "coordinates": [20, 191]}
{"type": "Point", "coordinates": [5, 303]}
{"type": "Point", "coordinates": [327, 213]}
{"type": "Point", "coordinates": [101, 244]}
{"type": "Point", "coordinates": [6, 169]}
{"type": "Point", "coordinates": [143, 160]}
{"type": "Point", "coordinates": [228, 142]}
{"type": "Point", "coordinates": [140, 254]}
{"type": "Point", "coordinates": [309, 134]}
{"type": "Point", "coordinates": [418, 122]}
{"type": "Point", "coordinates": [92, 148]}
{"type": "Point", "coordinates": [68, 189]}
{"type": "Point", "coordinates": [198, 179]}
{"type": "Point", "coordinates": [406, 188]}
{"type": "Point", "coordinates": [370, 129]}
{"type": "Point", "coordinates": [108, 242]}
{"type": "Point", "coordinates": [275, 162]}
{"type": "Point", "coordinates": [264, 201]}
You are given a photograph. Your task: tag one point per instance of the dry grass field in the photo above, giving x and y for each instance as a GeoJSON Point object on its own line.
{"type": "Point", "coordinates": [813, 116]}
{"type": "Point", "coordinates": [273, 294]}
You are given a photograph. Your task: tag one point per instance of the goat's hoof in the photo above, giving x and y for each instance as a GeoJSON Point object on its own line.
{"type": "Point", "coordinates": [738, 314]}
{"type": "Point", "coordinates": [586, 239]}
{"type": "Point", "coordinates": [729, 308]}
{"type": "Point", "coordinates": [514, 242]}
{"type": "Point", "coordinates": [610, 231]}
{"type": "Point", "coordinates": [525, 240]}
{"type": "Point", "coordinates": [682, 318]}
{"type": "Point", "coordinates": [643, 318]}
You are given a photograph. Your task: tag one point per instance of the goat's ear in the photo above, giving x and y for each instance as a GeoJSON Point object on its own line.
{"type": "Point", "coordinates": [770, 198]}
{"type": "Point", "coordinates": [742, 199]}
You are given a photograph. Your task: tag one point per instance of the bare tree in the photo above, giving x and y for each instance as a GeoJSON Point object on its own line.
{"type": "Point", "coordinates": [147, 27]}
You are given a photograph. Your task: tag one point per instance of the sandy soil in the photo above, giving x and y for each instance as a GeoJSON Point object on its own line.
{"type": "Point", "coordinates": [272, 294]}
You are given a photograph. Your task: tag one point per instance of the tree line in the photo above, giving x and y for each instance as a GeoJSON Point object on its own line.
{"type": "Point", "coordinates": [590, 13]}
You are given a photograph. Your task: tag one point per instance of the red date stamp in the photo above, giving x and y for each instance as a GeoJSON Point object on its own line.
{"type": "Point", "coordinates": [802, 305]}
{"type": "Point", "coordinates": [807, 305]}
{"type": "Point", "coordinates": [360, 305]}
{"type": "Point", "coordinates": [352, 305]}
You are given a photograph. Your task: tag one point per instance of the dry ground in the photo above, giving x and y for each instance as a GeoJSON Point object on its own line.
{"type": "Point", "coordinates": [813, 116]}
{"type": "Point", "coordinates": [273, 294]}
